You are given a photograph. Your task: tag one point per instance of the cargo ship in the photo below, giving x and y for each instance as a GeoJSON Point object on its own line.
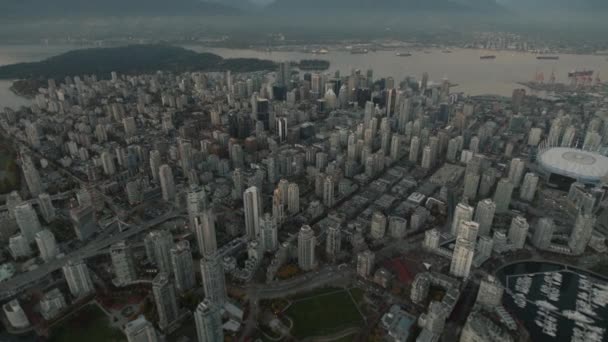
{"type": "Point", "coordinates": [359, 51]}
{"type": "Point", "coordinates": [547, 57]}
{"type": "Point", "coordinates": [403, 54]}
{"type": "Point", "coordinates": [580, 73]}
{"type": "Point", "coordinates": [488, 57]}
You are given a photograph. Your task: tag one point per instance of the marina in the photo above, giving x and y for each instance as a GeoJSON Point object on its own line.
{"type": "Point", "coordinates": [558, 305]}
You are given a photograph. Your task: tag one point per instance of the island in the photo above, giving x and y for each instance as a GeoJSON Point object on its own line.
{"type": "Point", "coordinates": [131, 59]}
{"type": "Point", "coordinates": [313, 64]}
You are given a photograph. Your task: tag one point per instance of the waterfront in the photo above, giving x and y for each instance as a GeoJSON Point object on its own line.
{"type": "Point", "coordinates": [461, 66]}
{"type": "Point", "coordinates": [555, 303]}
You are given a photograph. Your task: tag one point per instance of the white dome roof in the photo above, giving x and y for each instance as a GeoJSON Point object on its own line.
{"type": "Point", "coordinates": [578, 164]}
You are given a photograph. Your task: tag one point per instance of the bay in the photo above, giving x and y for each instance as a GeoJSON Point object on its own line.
{"type": "Point", "coordinates": [462, 66]}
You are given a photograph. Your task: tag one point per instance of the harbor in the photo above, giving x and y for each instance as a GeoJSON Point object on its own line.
{"type": "Point", "coordinates": [557, 304]}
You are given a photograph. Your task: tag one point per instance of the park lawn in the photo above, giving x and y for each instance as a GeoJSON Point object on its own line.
{"type": "Point", "coordinates": [89, 324]}
{"type": "Point", "coordinates": [323, 314]}
{"type": "Point", "coordinates": [357, 294]}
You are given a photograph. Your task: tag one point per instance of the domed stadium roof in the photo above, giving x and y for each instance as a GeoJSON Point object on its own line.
{"type": "Point", "coordinates": [585, 166]}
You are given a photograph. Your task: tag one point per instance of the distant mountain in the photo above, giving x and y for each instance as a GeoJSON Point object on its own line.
{"type": "Point", "coordinates": [481, 5]}
{"type": "Point", "coordinates": [46, 8]}
{"type": "Point", "coordinates": [132, 59]}
{"type": "Point", "coordinates": [344, 6]}
{"type": "Point", "coordinates": [556, 5]}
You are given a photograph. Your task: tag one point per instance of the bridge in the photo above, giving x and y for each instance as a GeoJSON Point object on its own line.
{"type": "Point", "coordinates": [34, 201]}
{"type": "Point", "coordinates": [22, 281]}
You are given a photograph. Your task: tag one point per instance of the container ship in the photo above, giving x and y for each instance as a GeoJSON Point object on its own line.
{"type": "Point", "coordinates": [358, 51]}
{"type": "Point", "coordinates": [488, 57]}
{"type": "Point", "coordinates": [547, 57]}
{"type": "Point", "coordinates": [580, 73]}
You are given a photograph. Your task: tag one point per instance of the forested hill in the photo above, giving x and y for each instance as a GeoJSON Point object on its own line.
{"type": "Point", "coordinates": [133, 59]}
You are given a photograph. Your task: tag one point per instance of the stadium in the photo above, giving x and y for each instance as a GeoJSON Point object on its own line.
{"type": "Point", "coordinates": [563, 165]}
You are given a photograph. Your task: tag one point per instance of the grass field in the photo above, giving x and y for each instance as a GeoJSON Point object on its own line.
{"type": "Point", "coordinates": [89, 324]}
{"type": "Point", "coordinates": [322, 313]}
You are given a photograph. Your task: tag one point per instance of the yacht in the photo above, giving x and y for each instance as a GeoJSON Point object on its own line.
{"type": "Point", "coordinates": [546, 305]}
{"type": "Point", "coordinates": [520, 300]}
{"type": "Point", "coordinates": [577, 316]}
{"type": "Point", "coordinates": [550, 328]}
{"type": "Point", "coordinates": [523, 284]}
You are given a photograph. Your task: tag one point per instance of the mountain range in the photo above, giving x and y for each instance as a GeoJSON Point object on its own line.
{"type": "Point", "coordinates": [391, 6]}
{"type": "Point", "coordinates": [556, 5]}
{"type": "Point", "coordinates": [45, 8]}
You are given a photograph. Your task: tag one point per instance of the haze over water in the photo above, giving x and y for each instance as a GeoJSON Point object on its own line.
{"type": "Point", "coordinates": [461, 66]}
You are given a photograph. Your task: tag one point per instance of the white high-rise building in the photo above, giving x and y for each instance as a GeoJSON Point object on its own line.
{"type": "Point", "coordinates": [484, 216]}
{"type": "Point", "coordinates": [46, 207]}
{"type": "Point", "coordinates": [208, 320]}
{"type": "Point", "coordinates": [140, 330]}
{"type": "Point", "coordinates": [214, 280]}
{"type": "Point", "coordinates": [167, 182]}
{"type": "Point", "coordinates": [293, 198]}
{"type": "Point", "coordinates": [158, 249]}
{"type": "Point", "coordinates": [543, 233]}
{"type": "Point", "coordinates": [462, 212]}
{"type": "Point", "coordinates": [165, 300]}
{"type": "Point", "coordinates": [528, 188]}
{"type": "Point", "coordinates": [516, 171]}
{"type": "Point", "coordinates": [196, 202]}
{"type": "Point", "coordinates": [252, 206]}
{"type": "Point", "coordinates": [129, 126]}
{"type": "Point", "coordinates": [155, 163]}
{"type": "Point", "coordinates": [397, 227]}
{"type": "Point", "coordinates": [77, 276]}
{"type": "Point", "coordinates": [414, 150]}
{"type": "Point", "coordinates": [469, 230]}
{"type": "Point", "coordinates": [31, 175]}
{"type": "Point", "coordinates": [502, 196]}
{"type": "Point", "coordinates": [581, 234]}
{"type": "Point", "coordinates": [204, 229]}
{"type": "Point", "coordinates": [27, 220]}
{"type": "Point", "coordinates": [462, 258]}
{"type": "Point", "coordinates": [183, 268]}
{"type": "Point", "coordinates": [46, 245]}
{"type": "Point", "coordinates": [185, 155]}
{"type": "Point", "coordinates": [471, 184]}
{"type": "Point", "coordinates": [484, 247]}
{"type": "Point", "coordinates": [107, 161]}
{"type": "Point", "coordinates": [534, 136]}
{"type": "Point", "coordinates": [269, 233]}
{"type": "Point", "coordinates": [238, 181]}
{"type": "Point", "coordinates": [328, 192]}
{"type": "Point", "coordinates": [365, 263]}
{"type": "Point", "coordinates": [518, 231]}
{"type": "Point", "coordinates": [306, 248]}
{"type": "Point", "coordinates": [123, 263]}
{"type": "Point", "coordinates": [427, 158]}
{"type": "Point", "coordinates": [432, 238]}
{"type": "Point", "coordinates": [333, 242]}
{"type": "Point", "coordinates": [378, 225]}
